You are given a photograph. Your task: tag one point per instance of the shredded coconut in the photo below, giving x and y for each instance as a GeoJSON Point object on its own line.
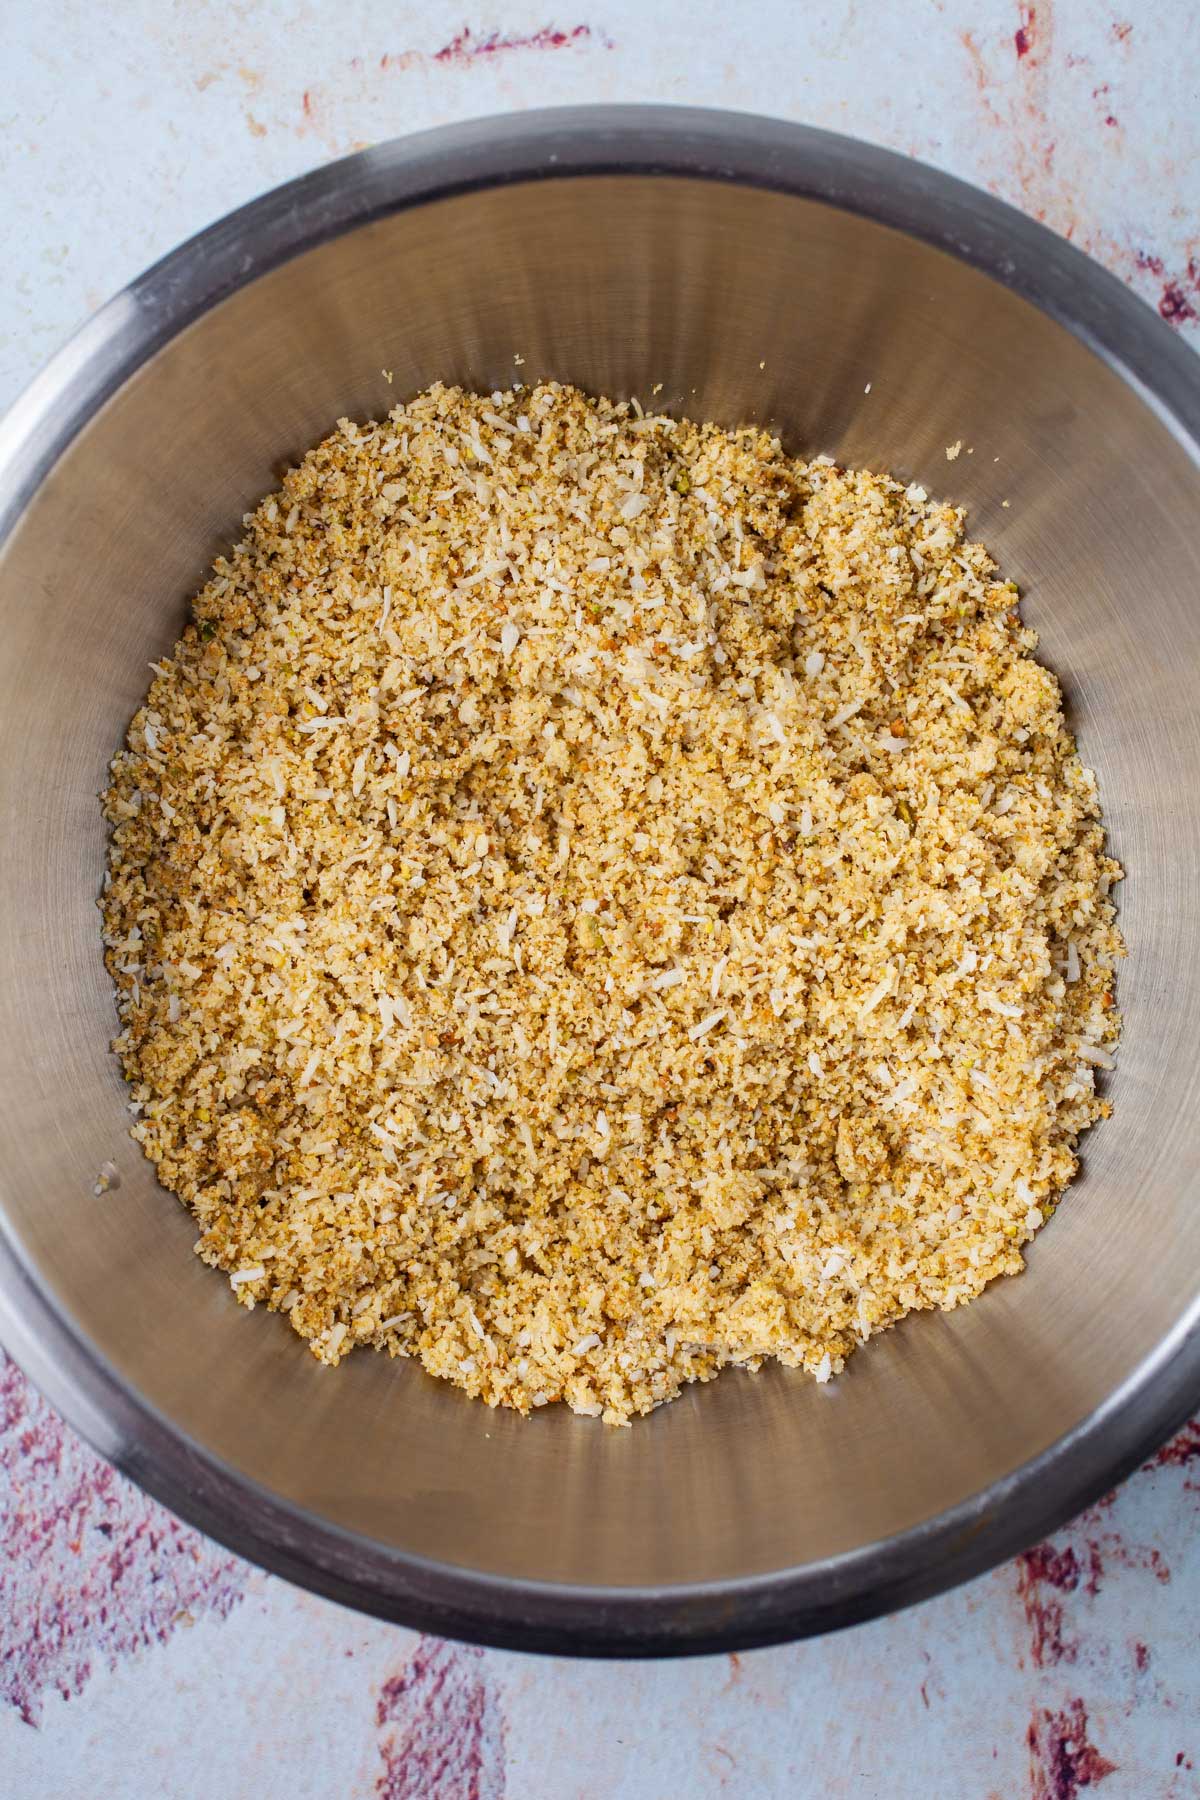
{"type": "Point", "coordinates": [650, 718]}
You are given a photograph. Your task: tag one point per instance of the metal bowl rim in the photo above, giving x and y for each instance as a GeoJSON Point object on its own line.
{"type": "Point", "coordinates": [554, 144]}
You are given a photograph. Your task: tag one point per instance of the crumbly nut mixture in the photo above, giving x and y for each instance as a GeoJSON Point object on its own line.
{"type": "Point", "coordinates": [593, 899]}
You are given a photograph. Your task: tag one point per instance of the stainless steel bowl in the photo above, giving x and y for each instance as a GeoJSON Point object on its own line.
{"type": "Point", "coordinates": [863, 305]}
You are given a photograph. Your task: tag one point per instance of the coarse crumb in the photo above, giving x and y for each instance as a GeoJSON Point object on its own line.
{"type": "Point", "coordinates": [953, 451]}
{"type": "Point", "coordinates": [593, 899]}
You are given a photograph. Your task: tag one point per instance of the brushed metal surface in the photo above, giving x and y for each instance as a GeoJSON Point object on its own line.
{"type": "Point", "coordinates": [758, 271]}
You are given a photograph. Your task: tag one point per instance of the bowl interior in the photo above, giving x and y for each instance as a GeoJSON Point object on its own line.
{"type": "Point", "coordinates": [745, 304]}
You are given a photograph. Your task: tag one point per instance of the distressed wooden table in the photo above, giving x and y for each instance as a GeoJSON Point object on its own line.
{"type": "Point", "coordinates": [135, 1657]}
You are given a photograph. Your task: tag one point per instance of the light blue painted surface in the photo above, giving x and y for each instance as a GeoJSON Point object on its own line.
{"type": "Point", "coordinates": [122, 130]}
